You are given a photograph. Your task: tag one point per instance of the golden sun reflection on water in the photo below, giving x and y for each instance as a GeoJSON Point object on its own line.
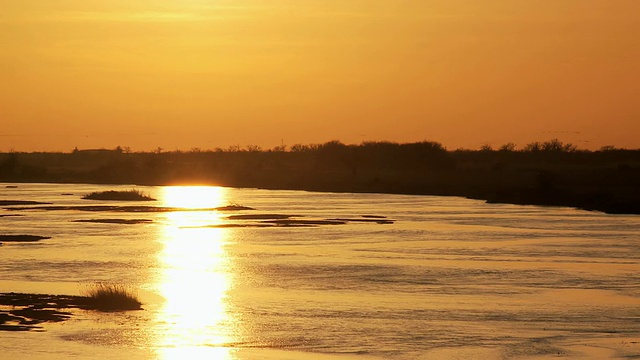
{"type": "Point", "coordinates": [195, 278]}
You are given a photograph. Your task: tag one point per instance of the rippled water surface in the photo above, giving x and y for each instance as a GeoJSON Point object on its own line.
{"type": "Point", "coordinates": [447, 278]}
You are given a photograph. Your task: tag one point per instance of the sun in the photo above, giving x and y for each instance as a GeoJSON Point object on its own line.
{"type": "Point", "coordinates": [194, 197]}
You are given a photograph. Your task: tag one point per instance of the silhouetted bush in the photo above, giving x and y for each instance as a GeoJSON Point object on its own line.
{"type": "Point", "coordinates": [554, 145]}
{"type": "Point", "coordinates": [508, 147]}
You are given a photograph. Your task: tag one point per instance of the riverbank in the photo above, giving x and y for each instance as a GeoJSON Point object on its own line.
{"type": "Point", "coordinates": [607, 181]}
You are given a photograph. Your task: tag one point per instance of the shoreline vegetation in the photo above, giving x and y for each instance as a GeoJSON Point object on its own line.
{"type": "Point", "coordinates": [550, 173]}
{"type": "Point", "coordinates": [112, 297]}
{"type": "Point", "coordinates": [26, 312]}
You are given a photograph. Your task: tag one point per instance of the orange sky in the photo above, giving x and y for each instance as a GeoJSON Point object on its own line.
{"type": "Point", "coordinates": [180, 74]}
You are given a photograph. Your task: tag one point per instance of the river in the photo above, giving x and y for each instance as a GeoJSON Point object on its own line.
{"type": "Point", "coordinates": [352, 276]}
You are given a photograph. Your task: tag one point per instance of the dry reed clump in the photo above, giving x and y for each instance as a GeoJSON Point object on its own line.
{"type": "Point", "coordinates": [127, 195]}
{"type": "Point", "coordinates": [112, 297]}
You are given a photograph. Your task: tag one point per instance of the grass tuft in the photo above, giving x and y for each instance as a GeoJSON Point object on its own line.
{"type": "Point", "coordinates": [126, 195]}
{"type": "Point", "coordinates": [112, 297]}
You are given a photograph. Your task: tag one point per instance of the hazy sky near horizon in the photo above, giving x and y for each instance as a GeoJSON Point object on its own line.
{"type": "Point", "coordinates": [182, 74]}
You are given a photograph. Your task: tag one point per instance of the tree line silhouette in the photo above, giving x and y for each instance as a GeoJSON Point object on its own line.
{"type": "Point", "coordinates": [545, 173]}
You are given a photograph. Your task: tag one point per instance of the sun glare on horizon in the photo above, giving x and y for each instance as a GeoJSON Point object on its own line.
{"type": "Point", "coordinates": [194, 197]}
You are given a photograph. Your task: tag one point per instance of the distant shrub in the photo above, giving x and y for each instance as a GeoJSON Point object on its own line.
{"type": "Point", "coordinates": [508, 147]}
{"type": "Point", "coordinates": [486, 148]}
{"type": "Point", "coordinates": [554, 145]}
{"type": "Point", "coordinates": [305, 148]}
{"type": "Point", "coordinates": [533, 147]}
{"type": "Point", "coordinates": [253, 148]}
{"type": "Point", "coordinates": [608, 148]}
{"type": "Point", "coordinates": [558, 146]}
{"type": "Point", "coordinates": [332, 146]}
